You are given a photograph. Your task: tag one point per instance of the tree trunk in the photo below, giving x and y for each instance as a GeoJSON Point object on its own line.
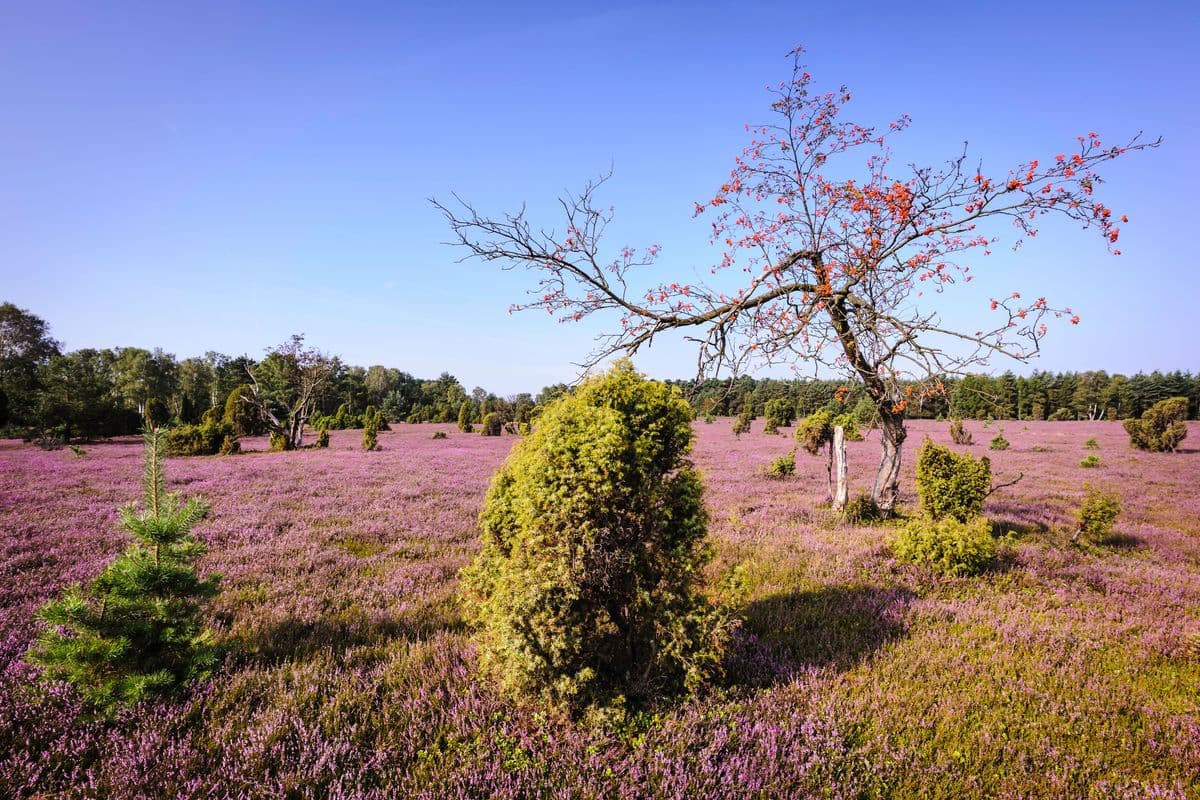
{"type": "Point", "coordinates": [841, 495]}
{"type": "Point", "coordinates": [887, 479]}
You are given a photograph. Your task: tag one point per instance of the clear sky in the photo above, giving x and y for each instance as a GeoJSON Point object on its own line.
{"type": "Point", "coordinates": [219, 175]}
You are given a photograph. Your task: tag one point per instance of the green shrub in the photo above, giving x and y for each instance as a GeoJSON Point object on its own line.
{"type": "Point", "coordinates": [214, 414]}
{"type": "Point", "coordinates": [1090, 462]}
{"type": "Point", "coordinates": [1062, 415]}
{"type": "Point", "coordinates": [370, 434]}
{"type": "Point", "coordinates": [587, 591]}
{"type": "Point", "coordinates": [135, 630]}
{"type": "Point", "coordinates": [524, 428]}
{"type": "Point", "coordinates": [999, 442]}
{"type": "Point", "coordinates": [322, 437]}
{"type": "Point", "coordinates": [1161, 428]}
{"type": "Point", "coordinates": [709, 419]}
{"type": "Point", "coordinates": [782, 467]}
{"type": "Point", "coordinates": [440, 435]}
{"type": "Point", "coordinates": [959, 434]}
{"type": "Point", "coordinates": [779, 414]}
{"type": "Point", "coordinates": [951, 485]}
{"type": "Point", "coordinates": [949, 546]}
{"type": "Point", "coordinates": [464, 417]}
{"type": "Point", "coordinates": [1097, 514]}
{"type": "Point", "coordinates": [816, 430]}
{"type": "Point", "coordinates": [279, 442]}
{"type": "Point", "coordinates": [741, 425]}
{"type": "Point", "coordinates": [241, 414]}
{"type": "Point", "coordinates": [493, 424]}
{"type": "Point", "coordinates": [205, 439]}
{"type": "Point", "coordinates": [1091, 444]}
{"type": "Point", "coordinates": [861, 510]}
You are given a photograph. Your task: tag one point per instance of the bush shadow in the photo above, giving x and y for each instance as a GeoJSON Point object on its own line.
{"type": "Point", "coordinates": [834, 626]}
{"type": "Point", "coordinates": [292, 638]}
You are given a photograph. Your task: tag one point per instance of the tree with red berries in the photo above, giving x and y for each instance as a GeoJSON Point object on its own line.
{"type": "Point", "coordinates": [845, 268]}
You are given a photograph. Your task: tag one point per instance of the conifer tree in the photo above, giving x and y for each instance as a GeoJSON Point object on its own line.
{"type": "Point", "coordinates": [135, 630]}
{"type": "Point", "coordinates": [370, 430]}
{"type": "Point", "coordinates": [464, 417]}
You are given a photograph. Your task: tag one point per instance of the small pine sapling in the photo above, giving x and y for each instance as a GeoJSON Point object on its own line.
{"type": "Point", "coordinates": [464, 417]}
{"type": "Point", "coordinates": [370, 440]}
{"type": "Point", "coordinates": [135, 631]}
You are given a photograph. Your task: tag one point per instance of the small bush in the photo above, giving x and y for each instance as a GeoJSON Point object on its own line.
{"type": "Point", "coordinates": [588, 589]}
{"type": "Point", "coordinates": [741, 425]}
{"type": "Point", "coordinates": [524, 429]}
{"type": "Point", "coordinates": [709, 419]}
{"type": "Point", "coordinates": [1041, 448]}
{"type": "Point", "coordinates": [77, 451]}
{"type": "Point", "coordinates": [1161, 428]}
{"type": "Point", "coordinates": [279, 442]}
{"type": "Point", "coordinates": [949, 546]}
{"type": "Point", "coordinates": [205, 439]}
{"type": "Point", "coordinates": [1062, 415]}
{"type": "Point", "coordinates": [782, 467]}
{"type": "Point", "coordinates": [492, 425]}
{"type": "Point", "coordinates": [440, 435]}
{"type": "Point", "coordinates": [951, 485]}
{"type": "Point", "coordinates": [999, 442]}
{"type": "Point", "coordinates": [861, 510]}
{"type": "Point", "coordinates": [959, 434]}
{"type": "Point", "coordinates": [1091, 444]}
{"type": "Point", "coordinates": [816, 430]}
{"type": "Point", "coordinates": [322, 437]}
{"type": "Point", "coordinates": [1091, 462]}
{"type": "Point", "coordinates": [1097, 514]}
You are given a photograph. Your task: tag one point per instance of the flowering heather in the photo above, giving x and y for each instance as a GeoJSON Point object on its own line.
{"type": "Point", "coordinates": [1071, 670]}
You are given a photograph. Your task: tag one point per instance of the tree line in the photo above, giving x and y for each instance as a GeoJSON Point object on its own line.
{"type": "Point", "coordinates": [91, 392]}
{"type": "Point", "coordinates": [1092, 394]}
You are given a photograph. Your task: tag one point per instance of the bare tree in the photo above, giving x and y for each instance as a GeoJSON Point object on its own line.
{"type": "Point", "coordinates": [842, 272]}
{"type": "Point", "coordinates": [284, 388]}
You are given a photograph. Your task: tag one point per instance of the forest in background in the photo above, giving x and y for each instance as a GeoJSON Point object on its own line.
{"type": "Point", "coordinates": [105, 392]}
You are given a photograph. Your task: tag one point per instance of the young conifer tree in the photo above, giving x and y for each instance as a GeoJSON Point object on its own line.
{"type": "Point", "coordinates": [135, 630]}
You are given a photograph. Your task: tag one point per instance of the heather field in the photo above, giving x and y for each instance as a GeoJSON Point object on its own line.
{"type": "Point", "coordinates": [1068, 671]}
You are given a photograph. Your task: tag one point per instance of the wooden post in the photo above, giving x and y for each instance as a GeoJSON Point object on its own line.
{"type": "Point", "coordinates": [841, 494]}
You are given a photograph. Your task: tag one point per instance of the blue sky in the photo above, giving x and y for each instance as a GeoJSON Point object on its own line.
{"type": "Point", "coordinates": [217, 176]}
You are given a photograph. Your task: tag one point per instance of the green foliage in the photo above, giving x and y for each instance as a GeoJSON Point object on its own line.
{"type": "Point", "coordinates": [741, 425]}
{"type": "Point", "coordinates": [959, 434]}
{"type": "Point", "coordinates": [779, 413]}
{"type": "Point", "coordinates": [322, 437]}
{"type": "Point", "coordinates": [242, 414]}
{"type": "Point", "coordinates": [1161, 428]}
{"type": "Point", "coordinates": [999, 442]}
{"type": "Point", "coordinates": [1091, 444]}
{"type": "Point", "coordinates": [370, 432]}
{"type": "Point", "coordinates": [214, 414]}
{"type": "Point", "coordinates": [493, 424]}
{"type": "Point", "coordinates": [1062, 415]}
{"type": "Point", "coordinates": [205, 439]}
{"type": "Point", "coordinates": [279, 442]}
{"type": "Point", "coordinates": [464, 417]}
{"type": "Point", "coordinates": [587, 589]}
{"type": "Point", "coordinates": [1097, 514]}
{"type": "Point", "coordinates": [1090, 462]}
{"type": "Point", "coordinates": [157, 413]}
{"type": "Point", "coordinates": [709, 419]}
{"type": "Point", "coordinates": [865, 413]}
{"type": "Point", "coordinates": [949, 546]}
{"type": "Point", "coordinates": [782, 467]}
{"type": "Point", "coordinates": [951, 485]}
{"type": "Point", "coordinates": [816, 430]}
{"type": "Point", "coordinates": [135, 630]}
{"type": "Point", "coordinates": [862, 510]}
{"type": "Point", "coordinates": [440, 435]}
